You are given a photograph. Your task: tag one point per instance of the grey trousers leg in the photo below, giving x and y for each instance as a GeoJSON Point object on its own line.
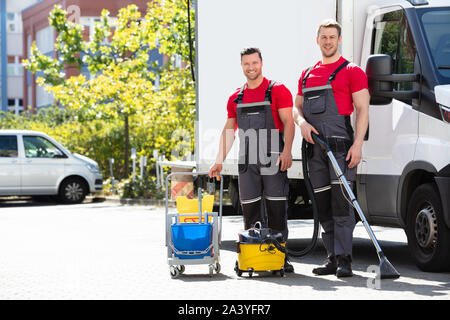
{"type": "Point", "coordinates": [274, 189]}
{"type": "Point", "coordinates": [336, 215]}
{"type": "Point", "coordinates": [250, 193]}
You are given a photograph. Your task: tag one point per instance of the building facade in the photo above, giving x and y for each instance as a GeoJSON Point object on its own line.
{"type": "Point", "coordinates": [11, 54]}
{"type": "Point", "coordinates": [36, 29]}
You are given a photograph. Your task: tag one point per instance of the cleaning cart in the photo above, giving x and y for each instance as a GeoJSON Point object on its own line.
{"type": "Point", "coordinates": [193, 233]}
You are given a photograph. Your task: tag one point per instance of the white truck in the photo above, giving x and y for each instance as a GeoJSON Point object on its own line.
{"type": "Point", "coordinates": [403, 179]}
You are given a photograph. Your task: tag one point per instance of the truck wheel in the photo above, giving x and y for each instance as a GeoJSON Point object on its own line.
{"type": "Point", "coordinates": [72, 191]}
{"type": "Point", "coordinates": [427, 233]}
{"type": "Point", "coordinates": [233, 192]}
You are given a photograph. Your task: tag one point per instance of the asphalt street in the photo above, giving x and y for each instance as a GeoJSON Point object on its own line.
{"type": "Point", "coordinates": [112, 251]}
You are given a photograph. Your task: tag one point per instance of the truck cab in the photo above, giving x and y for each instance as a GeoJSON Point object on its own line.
{"type": "Point", "coordinates": [404, 177]}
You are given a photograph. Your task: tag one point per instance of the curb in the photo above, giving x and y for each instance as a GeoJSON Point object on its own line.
{"type": "Point", "coordinates": [227, 209]}
{"type": "Point", "coordinates": [132, 202]}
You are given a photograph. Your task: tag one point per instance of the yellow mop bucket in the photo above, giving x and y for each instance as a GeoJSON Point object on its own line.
{"type": "Point", "coordinates": [257, 252]}
{"type": "Point", "coordinates": [185, 205]}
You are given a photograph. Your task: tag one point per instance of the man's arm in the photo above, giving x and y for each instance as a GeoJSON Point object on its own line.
{"type": "Point", "coordinates": [361, 100]}
{"type": "Point", "coordinates": [299, 119]}
{"type": "Point", "coordinates": [289, 131]}
{"type": "Point", "coordinates": [226, 142]}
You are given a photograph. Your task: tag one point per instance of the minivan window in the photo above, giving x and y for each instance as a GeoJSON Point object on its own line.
{"type": "Point", "coordinates": [8, 147]}
{"type": "Point", "coordinates": [436, 26]}
{"type": "Point", "coordinates": [39, 147]}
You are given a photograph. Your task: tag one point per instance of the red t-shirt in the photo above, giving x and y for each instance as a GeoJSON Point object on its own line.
{"type": "Point", "coordinates": [349, 80]}
{"type": "Point", "coordinates": [281, 98]}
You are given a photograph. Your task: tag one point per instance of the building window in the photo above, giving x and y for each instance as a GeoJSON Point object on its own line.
{"type": "Point", "coordinates": [89, 23]}
{"type": "Point", "coordinates": [15, 105]}
{"type": "Point", "coordinates": [15, 68]}
{"type": "Point", "coordinates": [13, 22]}
{"type": "Point", "coordinates": [45, 39]}
{"type": "Point", "coordinates": [43, 98]}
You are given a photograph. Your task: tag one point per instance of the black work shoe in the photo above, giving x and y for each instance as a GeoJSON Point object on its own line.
{"type": "Point", "coordinates": [344, 268]}
{"type": "Point", "coordinates": [329, 267]}
{"type": "Point", "coordinates": [288, 267]}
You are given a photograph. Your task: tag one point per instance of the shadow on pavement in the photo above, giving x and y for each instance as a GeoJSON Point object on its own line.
{"type": "Point", "coordinates": [364, 256]}
{"type": "Point", "coordinates": [40, 201]}
{"type": "Point", "coordinates": [202, 277]}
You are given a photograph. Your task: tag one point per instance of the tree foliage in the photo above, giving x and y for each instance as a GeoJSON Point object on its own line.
{"type": "Point", "coordinates": [121, 80]}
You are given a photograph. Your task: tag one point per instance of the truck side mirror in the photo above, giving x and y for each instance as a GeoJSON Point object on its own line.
{"type": "Point", "coordinates": [379, 65]}
{"type": "Point", "coordinates": [381, 81]}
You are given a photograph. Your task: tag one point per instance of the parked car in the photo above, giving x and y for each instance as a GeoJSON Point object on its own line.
{"type": "Point", "coordinates": [32, 163]}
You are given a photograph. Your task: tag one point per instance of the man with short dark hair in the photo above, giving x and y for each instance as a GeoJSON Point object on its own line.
{"type": "Point", "coordinates": [327, 95]}
{"type": "Point", "coordinates": [262, 111]}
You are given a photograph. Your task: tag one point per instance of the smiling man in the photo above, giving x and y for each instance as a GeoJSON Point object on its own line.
{"type": "Point", "coordinates": [327, 94]}
{"type": "Point", "coordinates": [262, 111]}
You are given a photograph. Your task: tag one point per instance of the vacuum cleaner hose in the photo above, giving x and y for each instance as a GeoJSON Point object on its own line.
{"type": "Point", "coordinates": [274, 243]}
{"type": "Point", "coordinates": [309, 189]}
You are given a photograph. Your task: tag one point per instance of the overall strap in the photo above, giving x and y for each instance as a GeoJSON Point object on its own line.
{"type": "Point", "coordinates": [240, 96]}
{"type": "Point", "coordinates": [268, 96]}
{"type": "Point", "coordinates": [333, 75]}
{"type": "Point", "coordinates": [306, 77]}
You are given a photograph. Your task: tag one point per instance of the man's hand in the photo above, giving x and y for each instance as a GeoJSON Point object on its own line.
{"type": "Point", "coordinates": [215, 169]}
{"type": "Point", "coordinates": [354, 155]}
{"type": "Point", "coordinates": [285, 159]}
{"type": "Point", "coordinates": [306, 130]}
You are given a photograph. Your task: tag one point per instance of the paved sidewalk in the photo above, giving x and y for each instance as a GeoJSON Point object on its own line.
{"type": "Point", "coordinates": [111, 251]}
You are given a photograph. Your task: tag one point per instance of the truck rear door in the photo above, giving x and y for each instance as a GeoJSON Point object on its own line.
{"type": "Point", "coordinates": [285, 31]}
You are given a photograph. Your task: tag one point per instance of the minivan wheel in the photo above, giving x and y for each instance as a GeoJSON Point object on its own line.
{"type": "Point", "coordinates": [72, 191]}
{"type": "Point", "coordinates": [428, 235]}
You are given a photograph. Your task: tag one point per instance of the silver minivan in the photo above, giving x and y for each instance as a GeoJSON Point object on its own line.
{"type": "Point", "coordinates": [32, 163]}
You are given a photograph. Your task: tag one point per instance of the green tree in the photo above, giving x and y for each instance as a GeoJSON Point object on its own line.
{"type": "Point", "coordinates": [121, 81]}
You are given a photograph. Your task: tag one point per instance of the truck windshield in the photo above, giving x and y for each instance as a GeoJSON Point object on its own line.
{"type": "Point", "coordinates": [436, 25]}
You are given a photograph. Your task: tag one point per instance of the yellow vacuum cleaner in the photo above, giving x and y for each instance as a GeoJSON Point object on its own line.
{"type": "Point", "coordinates": [257, 252]}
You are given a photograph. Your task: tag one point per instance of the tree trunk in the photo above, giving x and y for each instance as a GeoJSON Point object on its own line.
{"type": "Point", "coordinates": [127, 146]}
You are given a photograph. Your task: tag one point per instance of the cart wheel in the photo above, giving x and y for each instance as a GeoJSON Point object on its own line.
{"type": "Point", "coordinates": [211, 270]}
{"type": "Point", "coordinates": [250, 272]}
{"type": "Point", "coordinates": [174, 272]}
{"type": "Point", "coordinates": [217, 267]}
{"type": "Point", "coordinates": [282, 273]}
{"type": "Point", "coordinates": [181, 268]}
{"type": "Point", "coordinates": [236, 268]}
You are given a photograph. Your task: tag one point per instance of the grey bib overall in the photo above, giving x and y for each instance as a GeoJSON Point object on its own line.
{"type": "Point", "coordinates": [335, 214]}
{"type": "Point", "coordinates": [260, 145]}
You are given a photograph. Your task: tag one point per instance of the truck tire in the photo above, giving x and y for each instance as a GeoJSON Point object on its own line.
{"type": "Point", "coordinates": [428, 236]}
{"type": "Point", "coordinates": [233, 193]}
{"type": "Point", "coordinates": [72, 191]}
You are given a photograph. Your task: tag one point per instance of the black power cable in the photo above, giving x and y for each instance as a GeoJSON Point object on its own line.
{"type": "Point", "coordinates": [190, 39]}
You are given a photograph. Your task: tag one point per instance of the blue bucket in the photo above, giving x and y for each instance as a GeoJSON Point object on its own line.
{"type": "Point", "coordinates": [192, 237]}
